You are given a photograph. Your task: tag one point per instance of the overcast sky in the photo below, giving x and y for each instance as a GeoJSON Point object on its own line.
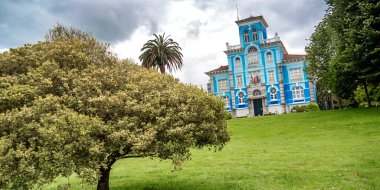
{"type": "Point", "coordinates": [201, 27]}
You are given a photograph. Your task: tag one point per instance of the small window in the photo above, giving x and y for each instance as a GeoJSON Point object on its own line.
{"type": "Point", "coordinates": [246, 36]}
{"type": "Point", "coordinates": [223, 85]}
{"type": "Point", "coordinates": [269, 58]}
{"type": "Point", "coordinates": [273, 93]}
{"type": "Point", "coordinates": [298, 92]}
{"type": "Point", "coordinates": [295, 75]}
{"type": "Point", "coordinates": [227, 100]}
{"type": "Point", "coordinates": [238, 64]}
{"type": "Point", "coordinates": [271, 78]}
{"type": "Point", "coordinates": [239, 81]}
{"type": "Point", "coordinates": [254, 35]}
{"type": "Point", "coordinates": [241, 98]}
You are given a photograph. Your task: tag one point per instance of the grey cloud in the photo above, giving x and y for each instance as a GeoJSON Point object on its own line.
{"type": "Point", "coordinates": [286, 15]}
{"type": "Point", "coordinates": [110, 21]}
{"type": "Point", "coordinates": [193, 28]}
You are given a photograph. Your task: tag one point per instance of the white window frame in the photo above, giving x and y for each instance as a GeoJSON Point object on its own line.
{"type": "Point", "coordinates": [239, 81]}
{"type": "Point", "coordinates": [238, 65]}
{"type": "Point", "coordinates": [273, 96]}
{"type": "Point", "coordinates": [223, 85]}
{"type": "Point", "coordinates": [255, 35]}
{"type": "Point", "coordinates": [246, 36]}
{"type": "Point", "coordinates": [253, 57]}
{"type": "Point", "coordinates": [298, 93]}
{"type": "Point", "coordinates": [296, 74]}
{"type": "Point", "coordinates": [271, 77]}
{"type": "Point", "coordinates": [241, 100]}
{"type": "Point", "coordinates": [227, 100]}
{"type": "Point", "coordinates": [269, 57]}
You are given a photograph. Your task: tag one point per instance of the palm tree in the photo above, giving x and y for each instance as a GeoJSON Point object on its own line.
{"type": "Point", "coordinates": [161, 52]}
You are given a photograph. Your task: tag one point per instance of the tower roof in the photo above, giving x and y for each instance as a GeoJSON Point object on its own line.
{"type": "Point", "coordinates": [252, 19]}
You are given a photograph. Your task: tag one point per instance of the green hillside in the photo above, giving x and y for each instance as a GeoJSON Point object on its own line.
{"type": "Point", "coordinates": [337, 149]}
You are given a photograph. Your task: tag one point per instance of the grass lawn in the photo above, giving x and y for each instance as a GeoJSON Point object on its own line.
{"type": "Point", "coordinates": [337, 149]}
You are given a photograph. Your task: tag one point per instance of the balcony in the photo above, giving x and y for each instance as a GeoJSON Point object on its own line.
{"type": "Point", "coordinates": [233, 47]}
{"type": "Point", "coordinates": [270, 40]}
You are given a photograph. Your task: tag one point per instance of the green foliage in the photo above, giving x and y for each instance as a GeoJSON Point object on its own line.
{"type": "Point", "coordinates": [299, 109]}
{"type": "Point", "coordinates": [306, 108]}
{"type": "Point", "coordinates": [343, 51]}
{"type": "Point", "coordinates": [312, 107]}
{"type": "Point", "coordinates": [69, 106]}
{"type": "Point", "coordinates": [373, 92]}
{"type": "Point", "coordinates": [228, 116]}
{"type": "Point", "coordinates": [279, 152]}
{"type": "Point", "coordinates": [161, 52]}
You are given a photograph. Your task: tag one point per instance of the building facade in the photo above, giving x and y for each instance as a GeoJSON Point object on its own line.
{"type": "Point", "coordinates": [261, 77]}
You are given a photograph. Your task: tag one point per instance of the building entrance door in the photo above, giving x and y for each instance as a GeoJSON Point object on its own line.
{"type": "Point", "coordinates": [258, 107]}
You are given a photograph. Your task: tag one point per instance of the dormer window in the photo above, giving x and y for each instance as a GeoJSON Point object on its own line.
{"type": "Point", "coordinates": [254, 35]}
{"type": "Point", "coordinates": [269, 57]}
{"type": "Point", "coordinates": [252, 57]}
{"type": "Point", "coordinates": [246, 36]}
{"type": "Point", "coordinates": [237, 64]}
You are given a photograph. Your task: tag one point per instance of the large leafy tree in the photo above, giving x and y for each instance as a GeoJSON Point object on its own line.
{"type": "Point", "coordinates": [344, 51]}
{"type": "Point", "coordinates": [67, 105]}
{"type": "Point", "coordinates": [162, 53]}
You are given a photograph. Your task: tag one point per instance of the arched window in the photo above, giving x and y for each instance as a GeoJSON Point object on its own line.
{"type": "Point", "coordinates": [241, 97]}
{"type": "Point", "coordinates": [238, 64]}
{"type": "Point", "coordinates": [273, 93]}
{"type": "Point", "coordinates": [252, 57]}
{"type": "Point", "coordinates": [246, 36]}
{"type": "Point", "coordinates": [298, 92]}
{"type": "Point", "coordinates": [254, 35]}
{"type": "Point", "coordinates": [256, 93]}
{"type": "Point", "coordinates": [269, 57]}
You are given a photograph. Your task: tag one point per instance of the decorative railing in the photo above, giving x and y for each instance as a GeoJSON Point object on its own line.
{"type": "Point", "coordinates": [270, 40]}
{"type": "Point", "coordinates": [233, 47]}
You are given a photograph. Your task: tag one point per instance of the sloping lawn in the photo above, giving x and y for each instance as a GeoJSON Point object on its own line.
{"type": "Point", "coordinates": [337, 149]}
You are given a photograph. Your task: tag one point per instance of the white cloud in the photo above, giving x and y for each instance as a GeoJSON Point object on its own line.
{"type": "Point", "coordinates": [200, 27]}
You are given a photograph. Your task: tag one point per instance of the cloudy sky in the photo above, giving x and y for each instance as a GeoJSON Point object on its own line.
{"type": "Point", "coordinates": [201, 27]}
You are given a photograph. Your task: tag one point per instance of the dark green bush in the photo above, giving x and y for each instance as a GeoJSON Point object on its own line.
{"type": "Point", "coordinates": [228, 116]}
{"type": "Point", "coordinates": [299, 109]}
{"type": "Point", "coordinates": [312, 107]}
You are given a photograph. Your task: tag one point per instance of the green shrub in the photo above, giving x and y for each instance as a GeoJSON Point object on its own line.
{"type": "Point", "coordinates": [299, 109]}
{"type": "Point", "coordinates": [312, 107]}
{"type": "Point", "coordinates": [228, 116]}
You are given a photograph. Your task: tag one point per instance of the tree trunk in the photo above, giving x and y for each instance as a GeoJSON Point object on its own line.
{"type": "Point", "coordinates": [104, 178]}
{"type": "Point", "coordinates": [340, 102]}
{"type": "Point", "coordinates": [367, 94]}
{"type": "Point", "coordinates": [162, 68]}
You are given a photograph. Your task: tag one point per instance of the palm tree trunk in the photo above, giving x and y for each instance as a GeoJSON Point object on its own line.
{"type": "Point", "coordinates": [162, 68]}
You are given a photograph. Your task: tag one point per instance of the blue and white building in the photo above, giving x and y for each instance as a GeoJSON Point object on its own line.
{"type": "Point", "coordinates": [261, 77]}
